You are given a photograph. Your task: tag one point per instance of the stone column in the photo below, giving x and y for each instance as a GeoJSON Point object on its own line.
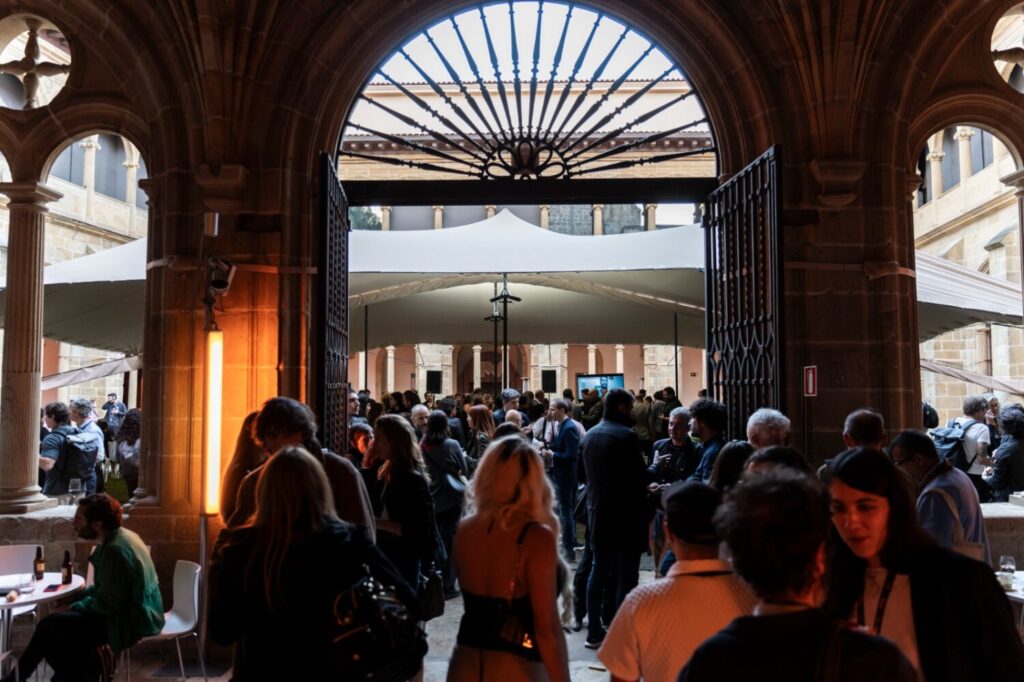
{"type": "Point", "coordinates": [935, 166]}
{"type": "Point", "coordinates": [438, 217]}
{"type": "Point", "coordinates": [598, 219]}
{"type": "Point", "coordinates": [362, 370]}
{"type": "Point", "coordinates": [620, 362]}
{"type": "Point", "coordinates": [591, 359]}
{"type": "Point", "coordinates": [491, 210]}
{"type": "Point", "coordinates": [131, 185]}
{"type": "Point", "coordinates": [963, 137]}
{"type": "Point", "coordinates": [89, 146]}
{"type": "Point", "coordinates": [544, 209]}
{"type": "Point", "coordinates": [650, 221]}
{"type": "Point", "coordinates": [983, 347]}
{"type": "Point", "coordinates": [390, 375]}
{"type": "Point", "coordinates": [23, 348]}
{"type": "Point", "coordinates": [385, 218]}
{"type": "Point", "coordinates": [148, 492]}
{"type": "Point", "coordinates": [476, 366]}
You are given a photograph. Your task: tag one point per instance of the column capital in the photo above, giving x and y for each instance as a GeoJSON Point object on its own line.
{"type": "Point", "coordinates": [620, 346]}
{"type": "Point", "coordinates": [591, 347]}
{"type": "Point", "coordinates": [649, 206]}
{"type": "Point", "coordinates": [936, 156]}
{"type": "Point", "coordinates": [91, 142]}
{"type": "Point", "coordinates": [914, 182]}
{"type": "Point", "coordinates": [597, 207]}
{"type": "Point", "coordinates": [477, 348]}
{"type": "Point", "coordinates": [29, 194]}
{"type": "Point", "coordinates": [131, 163]}
{"type": "Point", "coordinates": [390, 350]}
{"type": "Point", "coordinates": [963, 133]}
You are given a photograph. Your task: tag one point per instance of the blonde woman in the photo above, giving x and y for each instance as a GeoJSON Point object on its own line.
{"type": "Point", "coordinates": [273, 580]}
{"type": "Point", "coordinates": [506, 556]}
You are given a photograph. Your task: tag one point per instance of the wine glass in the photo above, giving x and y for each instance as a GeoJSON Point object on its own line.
{"type": "Point", "coordinates": [74, 488]}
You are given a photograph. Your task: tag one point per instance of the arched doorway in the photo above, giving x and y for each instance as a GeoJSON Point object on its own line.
{"type": "Point", "coordinates": [587, 114]}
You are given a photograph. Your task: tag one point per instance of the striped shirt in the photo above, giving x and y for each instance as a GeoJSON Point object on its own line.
{"type": "Point", "coordinates": [660, 624]}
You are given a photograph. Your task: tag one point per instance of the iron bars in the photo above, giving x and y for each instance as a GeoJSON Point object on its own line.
{"type": "Point", "coordinates": [527, 89]}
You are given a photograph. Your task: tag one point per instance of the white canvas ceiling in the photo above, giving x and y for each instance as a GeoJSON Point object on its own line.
{"type": "Point", "coordinates": [434, 286]}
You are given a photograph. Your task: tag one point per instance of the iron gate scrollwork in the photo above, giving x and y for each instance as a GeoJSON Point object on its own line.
{"type": "Point", "coordinates": [331, 386]}
{"type": "Point", "coordinates": [743, 290]}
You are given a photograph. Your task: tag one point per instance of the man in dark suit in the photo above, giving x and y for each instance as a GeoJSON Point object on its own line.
{"type": "Point", "coordinates": [447, 405]}
{"type": "Point", "coordinates": [564, 453]}
{"type": "Point", "coordinates": [616, 509]}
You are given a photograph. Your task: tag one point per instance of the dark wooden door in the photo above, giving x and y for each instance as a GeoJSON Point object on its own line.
{"type": "Point", "coordinates": [743, 291]}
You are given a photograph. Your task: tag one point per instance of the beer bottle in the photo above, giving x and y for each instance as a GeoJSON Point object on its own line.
{"type": "Point", "coordinates": [65, 569]}
{"type": "Point", "coordinates": [38, 566]}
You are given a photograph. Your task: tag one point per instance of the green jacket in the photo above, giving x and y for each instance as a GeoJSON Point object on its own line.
{"type": "Point", "coordinates": [126, 594]}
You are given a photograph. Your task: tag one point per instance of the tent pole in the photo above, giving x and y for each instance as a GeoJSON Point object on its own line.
{"type": "Point", "coordinates": [504, 340]}
{"type": "Point", "coordinates": [675, 355]}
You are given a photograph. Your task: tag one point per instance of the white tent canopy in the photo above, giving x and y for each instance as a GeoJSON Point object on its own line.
{"type": "Point", "coordinates": [434, 286]}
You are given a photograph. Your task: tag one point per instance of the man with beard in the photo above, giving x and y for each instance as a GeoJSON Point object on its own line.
{"type": "Point", "coordinates": [616, 507]}
{"type": "Point", "coordinates": [122, 607]}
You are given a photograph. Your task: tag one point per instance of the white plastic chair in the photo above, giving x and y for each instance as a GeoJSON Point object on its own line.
{"type": "Point", "coordinates": [183, 618]}
{"type": "Point", "coordinates": [17, 559]}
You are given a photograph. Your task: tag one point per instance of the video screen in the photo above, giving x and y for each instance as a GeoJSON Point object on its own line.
{"type": "Point", "coordinates": [602, 382]}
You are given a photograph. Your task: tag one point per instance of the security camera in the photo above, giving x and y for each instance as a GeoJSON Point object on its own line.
{"type": "Point", "coordinates": [220, 272]}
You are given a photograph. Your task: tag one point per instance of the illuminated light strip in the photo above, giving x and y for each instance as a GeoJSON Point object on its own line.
{"type": "Point", "coordinates": [214, 413]}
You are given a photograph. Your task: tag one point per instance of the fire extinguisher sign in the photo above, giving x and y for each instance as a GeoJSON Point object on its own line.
{"type": "Point", "coordinates": [810, 381]}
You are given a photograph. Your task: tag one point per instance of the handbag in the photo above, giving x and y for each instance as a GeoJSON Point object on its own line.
{"type": "Point", "coordinates": [579, 511]}
{"type": "Point", "coordinates": [373, 636]}
{"type": "Point", "coordinates": [431, 593]}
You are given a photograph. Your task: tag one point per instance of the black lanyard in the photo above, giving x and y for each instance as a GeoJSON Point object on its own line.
{"type": "Point", "coordinates": [883, 600]}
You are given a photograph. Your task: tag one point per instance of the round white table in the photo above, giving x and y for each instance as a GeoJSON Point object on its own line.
{"type": "Point", "coordinates": [34, 598]}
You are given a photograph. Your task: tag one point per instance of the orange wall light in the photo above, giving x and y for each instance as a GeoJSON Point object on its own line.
{"type": "Point", "coordinates": [212, 422]}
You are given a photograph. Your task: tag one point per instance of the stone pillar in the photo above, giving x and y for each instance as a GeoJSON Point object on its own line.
{"type": "Point", "coordinates": [598, 219]}
{"type": "Point", "coordinates": [963, 137]}
{"type": "Point", "coordinates": [544, 210]}
{"type": "Point", "coordinates": [23, 348]}
{"type": "Point", "coordinates": [491, 210]}
{"type": "Point", "coordinates": [650, 221]}
{"type": "Point", "coordinates": [89, 146]}
{"type": "Point", "coordinates": [620, 363]}
{"type": "Point", "coordinates": [591, 359]}
{"type": "Point", "coordinates": [385, 218]}
{"type": "Point", "coordinates": [131, 184]}
{"type": "Point", "coordinates": [438, 217]}
{"type": "Point", "coordinates": [390, 374]}
{"type": "Point", "coordinates": [983, 348]}
{"type": "Point", "coordinates": [935, 166]}
{"type": "Point", "coordinates": [476, 366]}
{"type": "Point", "coordinates": [362, 370]}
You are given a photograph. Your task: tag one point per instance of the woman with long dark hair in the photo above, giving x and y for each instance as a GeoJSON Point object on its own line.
{"type": "Point", "coordinates": [945, 612]}
{"type": "Point", "coordinates": [506, 553]}
{"type": "Point", "coordinates": [401, 497]}
{"type": "Point", "coordinates": [273, 580]}
{"type": "Point", "coordinates": [247, 457]}
{"type": "Point", "coordinates": [481, 432]}
{"type": "Point", "coordinates": [127, 443]}
{"type": "Point", "coordinates": [447, 468]}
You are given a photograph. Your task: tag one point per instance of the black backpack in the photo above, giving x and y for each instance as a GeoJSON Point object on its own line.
{"type": "Point", "coordinates": [930, 416]}
{"type": "Point", "coordinates": [949, 443]}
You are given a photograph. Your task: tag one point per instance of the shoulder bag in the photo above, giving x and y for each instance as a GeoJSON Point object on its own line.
{"type": "Point", "coordinates": [373, 636]}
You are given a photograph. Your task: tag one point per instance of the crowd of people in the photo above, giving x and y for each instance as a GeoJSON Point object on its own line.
{"type": "Point", "coordinates": [77, 444]}
{"type": "Point", "coordinates": [536, 511]}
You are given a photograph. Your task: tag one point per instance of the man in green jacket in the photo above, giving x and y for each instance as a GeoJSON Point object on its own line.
{"type": "Point", "coordinates": [122, 607]}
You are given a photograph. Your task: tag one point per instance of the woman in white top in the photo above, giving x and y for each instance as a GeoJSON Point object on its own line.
{"type": "Point", "coordinates": [945, 612]}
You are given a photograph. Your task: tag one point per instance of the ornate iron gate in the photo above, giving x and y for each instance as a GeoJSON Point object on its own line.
{"type": "Point", "coordinates": [330, 382]}
{"type": "Point", "coordinates": [743, 291]}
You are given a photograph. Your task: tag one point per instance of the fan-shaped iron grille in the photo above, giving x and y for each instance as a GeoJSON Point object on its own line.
{"type": "Point", "coordinates": [527, 89]}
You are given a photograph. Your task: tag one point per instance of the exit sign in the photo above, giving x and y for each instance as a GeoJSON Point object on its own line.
{"type": "Point", "coordinates": [810, 381]}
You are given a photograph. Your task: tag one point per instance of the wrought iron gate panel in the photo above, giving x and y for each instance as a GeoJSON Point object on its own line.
{"type": "Point", "coordinates": [743, 291]}
{"type": "Point", "coordinates": [331, 380]}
